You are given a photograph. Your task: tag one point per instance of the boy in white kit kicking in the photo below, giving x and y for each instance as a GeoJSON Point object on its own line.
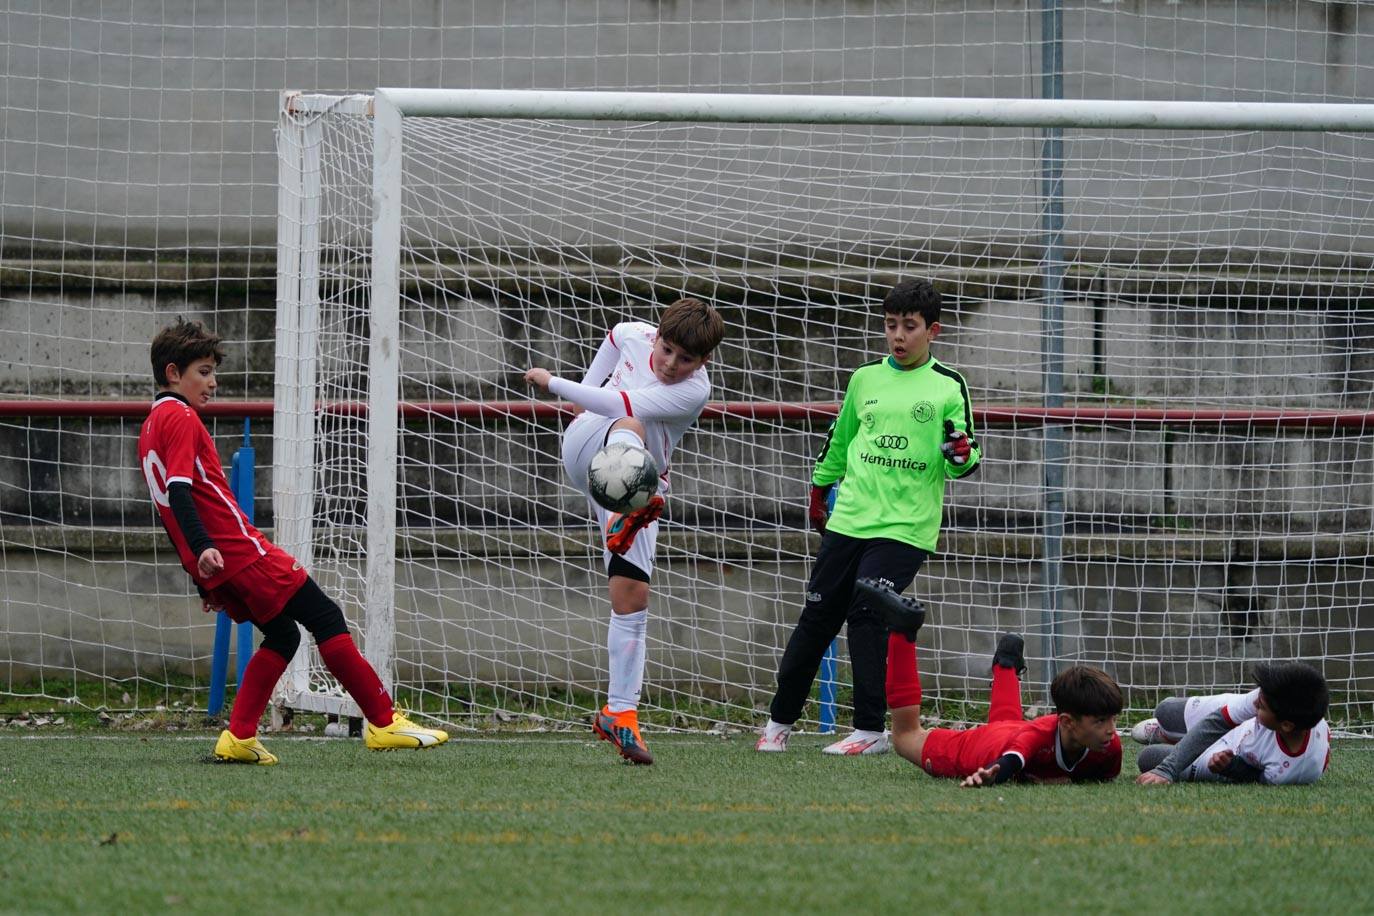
{"type": "Point", "coordinates": [646, 386]}
{"type": "Point", "coordinates": [1275, 734]}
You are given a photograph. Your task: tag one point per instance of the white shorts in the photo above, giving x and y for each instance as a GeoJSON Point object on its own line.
{"type": "Point", "coordinates": [1198, 708]}
{"type": "Point", "coordinates": [583, 438]}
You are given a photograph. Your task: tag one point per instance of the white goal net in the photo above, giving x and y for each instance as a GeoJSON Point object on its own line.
{"type": "Point", "coordinates": [1174, 394]}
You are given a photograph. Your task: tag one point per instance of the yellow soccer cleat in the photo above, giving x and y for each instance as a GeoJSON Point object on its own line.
{"type": "Point", "coordinates": [402, 733]}
{"type": "Point", "coordinates": [243, 750]}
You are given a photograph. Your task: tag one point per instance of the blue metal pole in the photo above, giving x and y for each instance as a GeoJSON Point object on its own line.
{"type": "Point", "coordinates": [827, 698]}
{"type": "Point", "coordinates": [244, 467]}
{"type": "Point", "coordinates": [219, 664]}
{"type": "Point", "coordinates": [219, 659]}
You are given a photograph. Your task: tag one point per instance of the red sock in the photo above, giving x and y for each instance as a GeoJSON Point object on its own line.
{"type": "Point", "coordinates": [343, 660]}
{"type": "Point", "coordinates": [1006, 695]}
{"type": "Point", "coordinates": [903, 680]}
{"type": "Point", "coordinates": [259, 677]}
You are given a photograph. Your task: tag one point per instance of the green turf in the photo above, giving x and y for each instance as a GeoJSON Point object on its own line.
{"type": "Point", "coordinates": [552, 823]}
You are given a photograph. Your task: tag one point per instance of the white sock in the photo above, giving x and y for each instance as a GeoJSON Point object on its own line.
{"type": "Point", "coordinates": [625, 435]}
{"type": "Point", "coordinates": [773, 729]}
{"type": "Point", "coordinates": [626, 645]}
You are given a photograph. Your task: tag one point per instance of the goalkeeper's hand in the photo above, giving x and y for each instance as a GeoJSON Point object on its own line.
{"type": "Point", "coordinates": [956, 446]}
{"type": "Point", "coordinates": [816, 511]}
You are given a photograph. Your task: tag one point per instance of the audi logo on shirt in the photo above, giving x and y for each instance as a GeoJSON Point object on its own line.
{"type": "Point", "coordinates": [898, 442]}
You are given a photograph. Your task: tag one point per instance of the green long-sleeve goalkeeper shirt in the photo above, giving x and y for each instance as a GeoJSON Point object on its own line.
{"type": "Point", "coordinates": [885, 443]}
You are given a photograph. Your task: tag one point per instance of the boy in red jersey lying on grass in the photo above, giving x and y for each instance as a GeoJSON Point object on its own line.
{"type": "Point", "coordinates": [1276, 734]}
{"type": "Point", "coordinates": [1075, 743]}
{"type": "Point", "coordinates": [238, 570]}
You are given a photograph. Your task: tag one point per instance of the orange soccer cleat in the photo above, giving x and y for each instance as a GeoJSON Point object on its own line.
{"type": "Point", "coordinates": [621, 529]}
{"type": "Point", "coordinates": [622, 730]}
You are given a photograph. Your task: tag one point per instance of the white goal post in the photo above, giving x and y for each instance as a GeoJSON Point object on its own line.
{"type": "Point", "coordinates": [1179, 439]}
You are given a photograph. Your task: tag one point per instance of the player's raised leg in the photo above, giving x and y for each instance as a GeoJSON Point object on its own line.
{"type": "Point", "coordinates": [904, 618]}
{"type": "Point", "coordinates": [1008, 663]}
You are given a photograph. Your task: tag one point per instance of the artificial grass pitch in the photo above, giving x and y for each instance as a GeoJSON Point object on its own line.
{"type": "Point", "coordinates": [555, 823]}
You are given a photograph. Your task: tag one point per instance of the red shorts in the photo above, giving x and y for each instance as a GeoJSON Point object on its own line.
{"type": "Point", "coordinates": [940, 755]}
{"type": "Point", "coordinates": [260, 590]}
{"type": "Point", "coordinates": [954, 753]}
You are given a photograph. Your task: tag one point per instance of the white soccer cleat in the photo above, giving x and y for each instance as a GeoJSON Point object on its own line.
{"type": "Point", "coordinates": [773, 738]}
{"type": "Point", "coordinates": [1148, 731]}
{"type": "Point", "coordinates": [861, 743]}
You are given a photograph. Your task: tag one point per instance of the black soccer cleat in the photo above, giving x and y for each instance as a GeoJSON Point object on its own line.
{"type": "Point", "coordinates": [1011, 653]}
{"type": "Point", "coordinates": [901, 614]}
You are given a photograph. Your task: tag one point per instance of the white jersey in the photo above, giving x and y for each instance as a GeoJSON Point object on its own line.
{"type": "Point", "coordinates": [1256, 745]}
{"type": "Point", "coordinates": [621, 383]}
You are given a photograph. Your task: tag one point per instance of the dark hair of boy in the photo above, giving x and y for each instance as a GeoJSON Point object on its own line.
{"type": "Point", "coordinates": [693, 326]}
{"type": "Point", "coordinates": [1294, 691]}
{"type": "Point", "coordinates": [914, 297]}
{"type": "Point", "coordinates": [1084, 691]}
{"type": "Point", "coordinates": [180, 345]}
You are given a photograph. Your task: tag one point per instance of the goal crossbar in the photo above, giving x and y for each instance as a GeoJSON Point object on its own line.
{"type": "Point", "coordinates": [876, 110]}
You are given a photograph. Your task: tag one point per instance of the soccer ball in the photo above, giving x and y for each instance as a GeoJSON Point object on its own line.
{"type": "Point", "coordinates": [622, 478]}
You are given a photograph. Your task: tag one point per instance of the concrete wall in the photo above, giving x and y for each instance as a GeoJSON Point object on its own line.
{"type": "Point", "coordinates": [151, 127]}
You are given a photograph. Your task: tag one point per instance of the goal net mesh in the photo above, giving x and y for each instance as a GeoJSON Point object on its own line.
{"type": "Point", "coordinates": [1217, 276]}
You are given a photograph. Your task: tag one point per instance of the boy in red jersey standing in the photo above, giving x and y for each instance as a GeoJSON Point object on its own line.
{"type": "Point", "coordinates": [1075, 743]}
{"type": "Point", "coordinates": [235, 567]}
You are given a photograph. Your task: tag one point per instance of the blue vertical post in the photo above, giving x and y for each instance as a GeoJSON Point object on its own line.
{"type": "Point", "coordinates": [243, 468]}
{"type": "Point", "coordinates": [219, 662]}
{"type": "Point", "coordinates": [241, 472]}
{"type": "Point", "coordinates": [827, 698]}
{"type": "Point", "coordinates": [830, 659]}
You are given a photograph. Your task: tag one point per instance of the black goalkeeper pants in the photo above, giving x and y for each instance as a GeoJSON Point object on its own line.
{"type": "Point", "coordinates": [829, 605]}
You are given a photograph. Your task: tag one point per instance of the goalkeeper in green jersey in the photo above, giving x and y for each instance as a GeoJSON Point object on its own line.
{"type": "Point", "coordinates": [905, 427]}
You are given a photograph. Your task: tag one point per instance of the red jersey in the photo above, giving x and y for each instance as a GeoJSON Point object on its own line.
{"type": "Point", "coordinates": [175, 447]}
{"type": "Point", "coordinates": [1036, 742]}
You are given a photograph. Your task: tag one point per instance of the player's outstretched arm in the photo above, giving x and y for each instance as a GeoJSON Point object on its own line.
{"type": "Point", "coordinates": [1199, 738]}
{"type": "Point", "coordinates": [1000, 770]}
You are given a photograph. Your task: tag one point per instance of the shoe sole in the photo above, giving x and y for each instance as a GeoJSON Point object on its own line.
{"type": "Point", "coordinates": [621, 541]}
{"type": "Point", "coordinates": [1015, 654]}
{"type": "Point", "coordinates": [404, 747]}
{"type": "Point", "coordinates": [259, 762]}
{"type": "Point", "coordinates": [891, 609]}
{"type": "Point", "coordinates": [639, 756]}
{"type": "Point", "coordinates": [856, 750]}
